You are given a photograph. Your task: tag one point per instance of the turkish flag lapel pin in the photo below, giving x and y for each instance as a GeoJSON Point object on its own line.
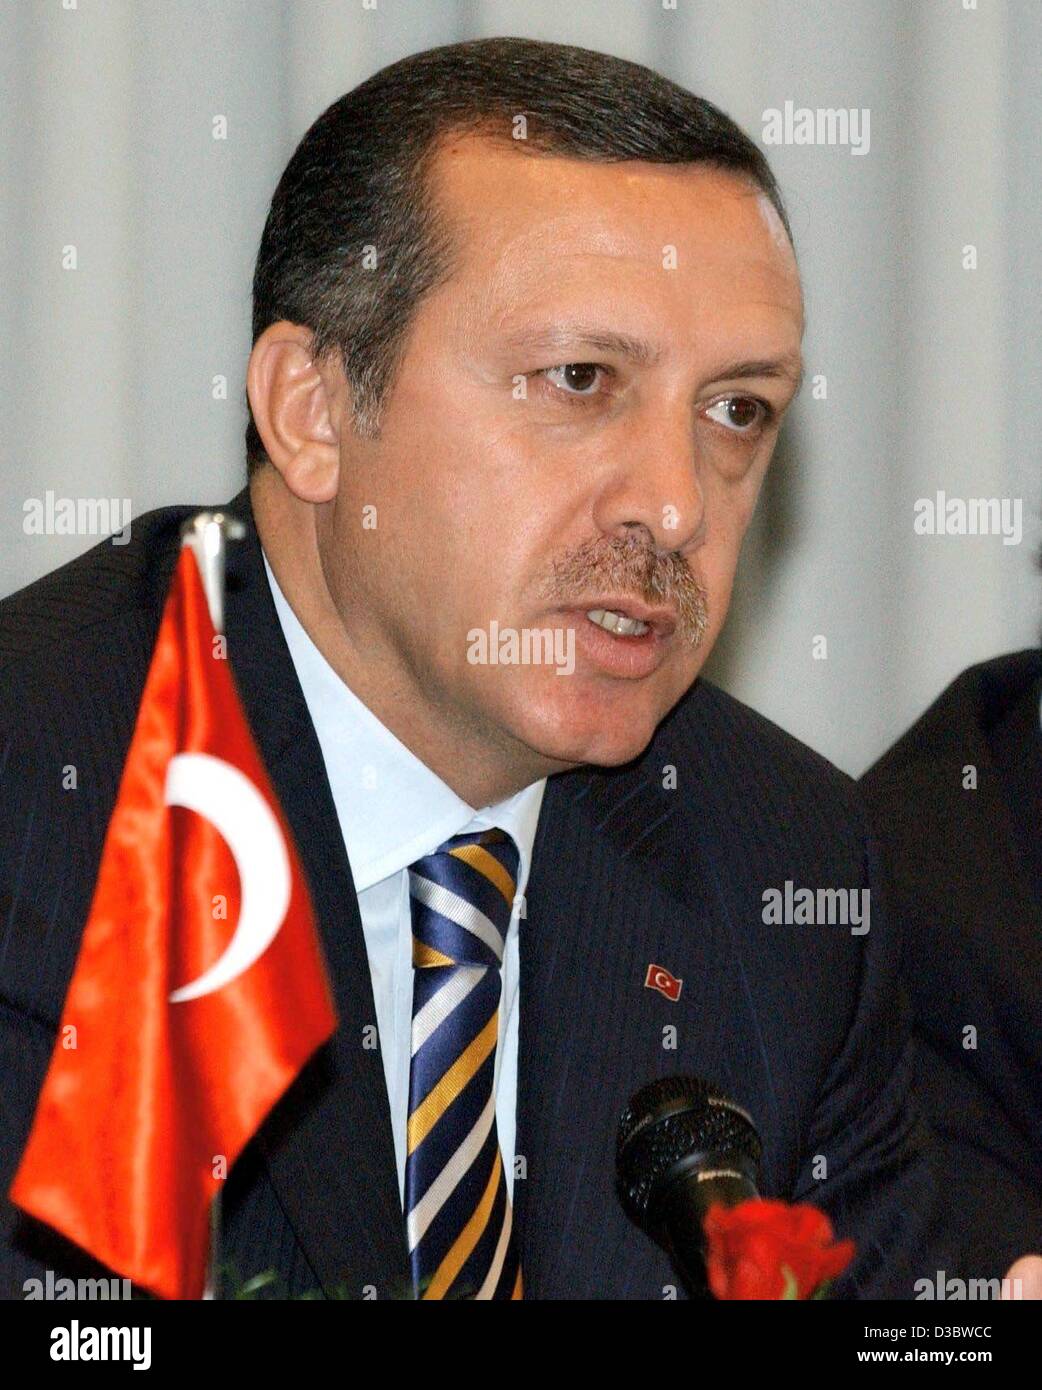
{"type": "Point", "coordinates": [658, 977]}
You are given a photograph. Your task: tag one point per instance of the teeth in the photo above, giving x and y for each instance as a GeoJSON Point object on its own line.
{"type": "Point", "coordinates": [615, 622]}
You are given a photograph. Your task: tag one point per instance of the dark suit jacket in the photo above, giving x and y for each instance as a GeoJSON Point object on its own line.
{"type": "Point", "coordinates": [798, 1023]}
{"type": "Point", "coordinates": [965, 875]}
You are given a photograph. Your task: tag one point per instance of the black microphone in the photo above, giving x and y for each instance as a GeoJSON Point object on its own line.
{"type": "Point", "coordinates": [682, 1147]}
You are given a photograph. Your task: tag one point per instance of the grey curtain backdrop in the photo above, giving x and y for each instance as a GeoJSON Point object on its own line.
{"type": "Point", "coordinates": [140, 142]}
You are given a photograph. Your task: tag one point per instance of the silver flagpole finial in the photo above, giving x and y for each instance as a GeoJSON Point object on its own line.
{"type": "Point", "coordinates": [208, 533]}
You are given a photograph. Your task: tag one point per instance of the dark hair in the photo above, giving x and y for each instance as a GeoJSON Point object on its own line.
{"type": "Point", "coordinates": [357, 188]}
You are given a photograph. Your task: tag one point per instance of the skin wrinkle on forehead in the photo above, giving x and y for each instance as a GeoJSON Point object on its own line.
{"type": "Point", "coordinates": [510, 325]}
{"type": "Point", "coordinates": [506, 291]}
{"type": "Point", "coordinates": [572, 241]}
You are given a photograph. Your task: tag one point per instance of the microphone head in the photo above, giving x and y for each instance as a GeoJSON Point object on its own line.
{"type": "Point", "coordinates": [675, 1126]}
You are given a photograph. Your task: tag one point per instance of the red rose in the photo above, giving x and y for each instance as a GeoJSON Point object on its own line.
{"type": "Point", "coordinates": [771, 1250]}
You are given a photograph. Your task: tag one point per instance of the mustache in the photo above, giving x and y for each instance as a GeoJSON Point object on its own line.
{"type": "Point", "coordinates": [626, 565]}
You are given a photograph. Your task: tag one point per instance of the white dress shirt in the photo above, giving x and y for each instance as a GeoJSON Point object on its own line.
{"type": "Point", "coordinates": [393, 810]}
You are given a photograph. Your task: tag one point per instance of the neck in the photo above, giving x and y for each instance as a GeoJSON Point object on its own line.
{"type": "Point", "coordinates": [480, 771]}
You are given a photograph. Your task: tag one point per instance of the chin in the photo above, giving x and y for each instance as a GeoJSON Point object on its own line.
{"type": "Point", "coordinates": [574, 735]}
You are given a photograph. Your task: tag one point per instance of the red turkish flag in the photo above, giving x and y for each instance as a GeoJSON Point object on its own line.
{"type": "Point", "coordinates": [199, 991]}
{"type": "Point", "coordinates": [658, 977]}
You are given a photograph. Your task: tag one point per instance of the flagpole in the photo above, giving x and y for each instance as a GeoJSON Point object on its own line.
{"type": "Point", "coordinates": [208, 534]}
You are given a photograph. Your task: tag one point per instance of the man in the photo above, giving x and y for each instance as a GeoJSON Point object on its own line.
{"type": "Point", "coordinates": [526, 322]}
{"type": "Point", "coordinates": [958, 804]}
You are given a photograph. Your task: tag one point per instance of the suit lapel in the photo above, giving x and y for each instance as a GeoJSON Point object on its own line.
{"type": "Point", "coordinates": [328, 1145]}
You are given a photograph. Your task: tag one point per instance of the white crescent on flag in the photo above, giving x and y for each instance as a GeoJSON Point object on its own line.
{"type": "Point", "coordinates": [231, 802]}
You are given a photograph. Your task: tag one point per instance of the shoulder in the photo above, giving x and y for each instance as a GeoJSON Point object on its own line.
{"type": "Point", "coordinates": [955, 722]}
{"type": "Point", "coordinates": [88, 601]}
{"type": "Point", "coordinates": [736, 754]}
{"type": "Point", "coordinates": [741, 798]}
{"type": "Point", "coordinates": [75, 648]}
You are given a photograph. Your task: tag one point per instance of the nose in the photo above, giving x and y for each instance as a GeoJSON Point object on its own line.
{"type": "Point", "coordinates": [654, 482]}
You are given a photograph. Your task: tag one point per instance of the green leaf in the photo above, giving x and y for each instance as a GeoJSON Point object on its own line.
{"type": "Point", "coordinates": [259, 1281]}
{"type": "Point", "coordinates": [792, 1288]}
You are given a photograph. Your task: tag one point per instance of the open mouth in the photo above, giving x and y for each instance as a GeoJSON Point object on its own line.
{"type": "Point", "coordinates": [624, 616]}
{"type": "Point", "coordinates": [618, 623]}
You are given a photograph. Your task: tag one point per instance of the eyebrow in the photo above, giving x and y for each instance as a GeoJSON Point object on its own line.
{"type": "Point", "coordinates": [789, 368]}
{"type": "Point", "coordinates": [638, 350]}
{"type": "Point", "coordinates": [577, 334]}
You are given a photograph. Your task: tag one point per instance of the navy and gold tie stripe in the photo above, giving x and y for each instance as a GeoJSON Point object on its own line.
{"type": "Point", "coordinates": [458, 1214]}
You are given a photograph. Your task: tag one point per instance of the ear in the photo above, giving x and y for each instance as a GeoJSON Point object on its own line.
{"type": "Point", "coordinates": [297, 407]}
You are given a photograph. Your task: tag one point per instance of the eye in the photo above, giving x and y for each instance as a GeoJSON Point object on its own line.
{"type": "Point", "coordinates": [575, 378]}
{"type": "Point", "coordinates": [742, 415]}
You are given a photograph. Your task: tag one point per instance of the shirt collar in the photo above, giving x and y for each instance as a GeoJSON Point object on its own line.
{"type": "Point", "coordinates": [392, 808]}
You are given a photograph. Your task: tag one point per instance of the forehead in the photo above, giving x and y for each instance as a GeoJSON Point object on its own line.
{"type": "Point", "coordinates": [678, 236]}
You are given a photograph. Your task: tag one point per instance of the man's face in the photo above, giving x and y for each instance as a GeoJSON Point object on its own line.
{"type": "Point", "coordinates": [582, 423]}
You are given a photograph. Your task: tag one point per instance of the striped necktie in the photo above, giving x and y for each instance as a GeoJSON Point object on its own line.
{"type": "Point", "coordinates": [458, 1213]}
